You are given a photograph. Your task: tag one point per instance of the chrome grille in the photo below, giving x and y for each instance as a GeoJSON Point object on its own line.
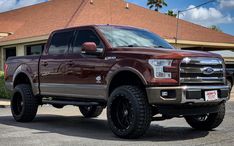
{"type": "Point", "coordinates": [202, 71]}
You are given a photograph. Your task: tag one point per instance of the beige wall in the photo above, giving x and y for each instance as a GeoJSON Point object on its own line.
{"type": "Point", "coordinates": [20, 51]}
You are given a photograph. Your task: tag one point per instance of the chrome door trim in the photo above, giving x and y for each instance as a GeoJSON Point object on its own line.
{"type": "Point", "coordinates": [74, 90]}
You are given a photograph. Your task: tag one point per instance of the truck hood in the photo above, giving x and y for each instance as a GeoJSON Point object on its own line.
{"type": "Point", "coordinates": [162, 53]}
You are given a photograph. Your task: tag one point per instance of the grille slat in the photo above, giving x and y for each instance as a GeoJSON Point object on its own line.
{"type": "Point", "coordinates": [198, 69]}
{"type": "Point", "coordinates": [194, 75]}
{"type": "Point", "coordinates": [201, 70]}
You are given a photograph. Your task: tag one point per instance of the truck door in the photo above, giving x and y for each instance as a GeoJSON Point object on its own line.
{"type": "Point", "coordinates": [85, 73]}
{"type": "Point", "coordinates": [53, 63]}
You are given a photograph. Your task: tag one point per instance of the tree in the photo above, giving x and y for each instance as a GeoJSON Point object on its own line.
{"type": "Point", "coordinates": [156, 4]}
{"type": "Point", "coordinates": [216, 28]}
{"type": "Point", "coordinates": [171, 13]}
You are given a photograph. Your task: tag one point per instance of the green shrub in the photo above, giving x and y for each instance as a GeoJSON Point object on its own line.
{"type": "Point", "coordinates": [3, 91]}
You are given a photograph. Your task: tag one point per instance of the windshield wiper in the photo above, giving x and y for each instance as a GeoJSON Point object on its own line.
{"type": "Point", "coordinates": [159, 47]}
{"type": "Point", "coordinates": [130, 46]}
{"type": "Point", "coordinates": [127, 46]}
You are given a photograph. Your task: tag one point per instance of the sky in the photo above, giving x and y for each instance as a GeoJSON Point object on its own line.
{"type": "Point", "coordinates": [219, 13]}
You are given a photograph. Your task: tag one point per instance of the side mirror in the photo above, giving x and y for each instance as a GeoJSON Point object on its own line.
{"type": "Point", "coordinates": [89, 48]}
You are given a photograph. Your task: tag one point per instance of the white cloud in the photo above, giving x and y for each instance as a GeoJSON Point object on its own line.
{"type": "Point", "coordinates": [226, 3]}
{"type": "Point", "coordinates": [206, 16]}
{"type": "Point", "coordinates": [6, 5]}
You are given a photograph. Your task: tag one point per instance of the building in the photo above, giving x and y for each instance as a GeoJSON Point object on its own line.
{"type": "Point", "coordinates": [24, 31]}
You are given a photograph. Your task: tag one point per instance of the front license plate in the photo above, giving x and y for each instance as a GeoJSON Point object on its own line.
{"type": "Point", "coordinates": [211, 95]}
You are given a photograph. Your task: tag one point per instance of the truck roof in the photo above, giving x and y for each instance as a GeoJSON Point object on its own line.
{"type": "Point", "coordinates": [97, 25]}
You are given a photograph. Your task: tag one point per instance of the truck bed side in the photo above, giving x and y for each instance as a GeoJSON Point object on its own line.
{"type": "Point", "coordinates": [24, 68]}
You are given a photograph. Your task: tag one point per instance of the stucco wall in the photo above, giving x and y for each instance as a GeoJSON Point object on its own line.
{"type": "Point", "coordinates": [20, 51]}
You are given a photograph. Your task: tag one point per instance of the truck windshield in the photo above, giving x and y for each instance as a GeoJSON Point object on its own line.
{"type": "Point", "coordinates": [132, 37]}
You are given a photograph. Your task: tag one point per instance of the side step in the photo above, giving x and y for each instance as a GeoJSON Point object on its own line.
{"type": "Point", "coordinates": [75, 103]}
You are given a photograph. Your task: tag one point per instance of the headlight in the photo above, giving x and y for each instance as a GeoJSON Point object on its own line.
{"type": "Point", "coordinates": [158, 66]}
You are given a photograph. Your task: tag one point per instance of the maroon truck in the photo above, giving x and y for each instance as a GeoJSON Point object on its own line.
{"type": "Point", "coordinates": [137, 75]}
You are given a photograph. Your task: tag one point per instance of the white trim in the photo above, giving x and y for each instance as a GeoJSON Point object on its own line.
{"type": "Point", "coordinates": [25, 40]}
{"type": "Point", "coordinates": [199, 43]}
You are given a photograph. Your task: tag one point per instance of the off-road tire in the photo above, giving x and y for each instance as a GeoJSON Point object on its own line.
{"type": "Point", "coordinates": [23, 104]}
{"type": "Point", "coordinates": [138, 112]}
{"type": "Point", "coordinates": [230, 84]}
{"type": "Point", "coordinates": [213, 120]}
{"type": "Point", "coordinates": [91, 111]}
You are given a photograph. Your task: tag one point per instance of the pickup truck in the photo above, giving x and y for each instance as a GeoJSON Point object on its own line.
{"type": "Point", "coordinates": [133, 72]}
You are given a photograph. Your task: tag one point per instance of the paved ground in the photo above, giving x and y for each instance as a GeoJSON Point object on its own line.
{"type": "Point", "coordinates": [67, 127]}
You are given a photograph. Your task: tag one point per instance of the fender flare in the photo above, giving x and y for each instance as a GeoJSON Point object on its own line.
{"type": "Point", "coordinates": [22, 69]}
{"type": "Point", "coordinates": [111, 76]}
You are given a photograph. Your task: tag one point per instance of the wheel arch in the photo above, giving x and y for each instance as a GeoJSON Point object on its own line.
{"type": "Point", "coordinates": [128, 74]}
{"type": "Point", "coordinates": [22, 76]}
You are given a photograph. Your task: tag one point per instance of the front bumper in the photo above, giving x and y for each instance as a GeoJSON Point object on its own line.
{"type": "Point", "coordinates": [185, 94]}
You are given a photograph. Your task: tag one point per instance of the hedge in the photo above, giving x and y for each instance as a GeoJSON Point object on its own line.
{"type": "Point", "coordinates": [3, 91]}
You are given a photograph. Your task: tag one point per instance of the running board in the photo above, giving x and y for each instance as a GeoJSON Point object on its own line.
{"type": "Point", "coordinates": [75, 103]}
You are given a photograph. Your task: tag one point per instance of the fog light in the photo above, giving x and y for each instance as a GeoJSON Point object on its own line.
{"type": "Point", "coordinates": [164, 93]}
{"type": "Point", "coordinates": [168, 94]}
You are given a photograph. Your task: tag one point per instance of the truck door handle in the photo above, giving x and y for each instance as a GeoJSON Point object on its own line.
{"type": "Point", "coordinates": [86, 66]}
{"type": "Point", "coordinates": [70, 63]}
{"type": "Point", "coordinates": [45, 63]}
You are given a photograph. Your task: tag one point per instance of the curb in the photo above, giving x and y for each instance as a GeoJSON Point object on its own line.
{"type": "Point", "coordinates": [4, 103]}
{"type": "Point", "coordinates": [4, 106]}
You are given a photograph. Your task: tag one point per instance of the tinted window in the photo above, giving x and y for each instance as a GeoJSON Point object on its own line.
{"type": "Point", "coordinates": [35, 49]}
{"type": "Point", "coordinates": [60, 41]}
{"type": "Point", "coordinates": [86, 36]}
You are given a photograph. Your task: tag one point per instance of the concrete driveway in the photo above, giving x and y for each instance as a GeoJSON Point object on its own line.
{"type": "Point", "coordinates": [67, 127]}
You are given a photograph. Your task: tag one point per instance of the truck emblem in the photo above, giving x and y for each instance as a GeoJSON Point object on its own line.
{"type": "Point", "coordinates": [98, 79]}
{"type": "Point", "coordinates": [208, 70]}
{"type": "Point", "coordinates": [110, 58]}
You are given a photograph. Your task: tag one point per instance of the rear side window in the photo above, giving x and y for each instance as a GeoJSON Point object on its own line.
{"type": "Point", "coordinates": [60, 42]}
{"type": "Point", "coordinates": [85, 36]}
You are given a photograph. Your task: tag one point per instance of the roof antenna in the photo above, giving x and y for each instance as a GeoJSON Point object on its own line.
{"type": "Point", "coordinates": [127, 4]}
{"type": "Point", "coordinates": [91, 1]}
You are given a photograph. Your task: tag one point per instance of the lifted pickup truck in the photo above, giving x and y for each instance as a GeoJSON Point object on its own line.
{"type": "Point", "coordinates": [137, 75]}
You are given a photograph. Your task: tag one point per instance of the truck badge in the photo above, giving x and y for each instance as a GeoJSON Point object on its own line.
{"type": "Point", "coordinates": [208, 70]}
{"type": "Point", "coordinates": [98, 79]}
{"type": "Point", "coordinates": [110, 58]}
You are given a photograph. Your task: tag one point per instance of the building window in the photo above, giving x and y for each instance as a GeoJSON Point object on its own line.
{"type": "Point", "coordinates": [10, 52]}
{"type": "Point", "coordinates": [34, 49]}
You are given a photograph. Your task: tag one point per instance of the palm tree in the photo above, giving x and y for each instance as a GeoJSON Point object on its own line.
{"type": "Point", "coordinates": [171, 13]}
{"type": "Point", "coordinates": [216, 28]}
{"type": "Point", "coordinates": [156, 4]}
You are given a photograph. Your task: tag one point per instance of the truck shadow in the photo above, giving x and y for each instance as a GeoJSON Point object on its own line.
{"type": "Point", "coordinates": [98, 128]}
